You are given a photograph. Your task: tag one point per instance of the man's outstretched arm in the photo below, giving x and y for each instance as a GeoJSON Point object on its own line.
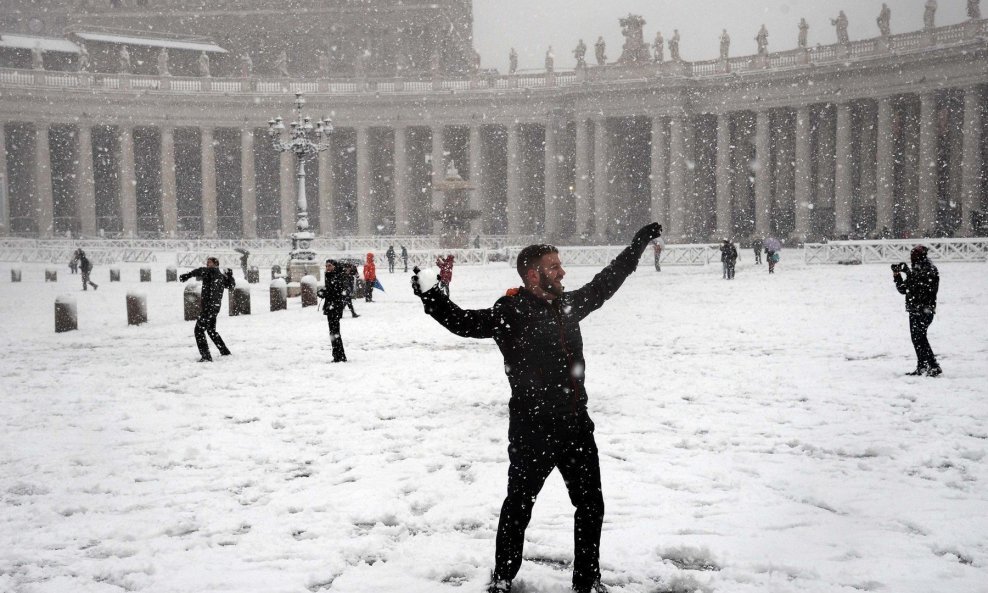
{"type": "Point", "coordinates": [468, 323]}
{"type": "Point", "coordinates": [591, 296]}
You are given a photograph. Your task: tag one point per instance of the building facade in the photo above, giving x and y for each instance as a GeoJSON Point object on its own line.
{"type": "Point", "coordinates": [877, 137]}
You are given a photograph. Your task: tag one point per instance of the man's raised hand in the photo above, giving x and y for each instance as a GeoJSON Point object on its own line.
{"type": "Point", "coordinates": [646, 234]}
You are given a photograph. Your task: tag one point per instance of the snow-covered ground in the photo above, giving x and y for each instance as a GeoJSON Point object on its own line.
{"type": "Point", "coordinates": [756, 436]}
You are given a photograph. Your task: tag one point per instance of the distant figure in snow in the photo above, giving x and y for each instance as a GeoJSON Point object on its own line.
{"type": "Point", "coordinates": [335, 293]}
{"type": "Point", "coordinates": [370, 277]}
{"type": "Point", "coordinates": [756, 246]}
{"type": "Point", "coordinates": [658, 245]}
{"type": "Point", "coordinates": [213, 283]}
{"type": "Point", "coordinates": [920, 287]}
{"type": "Point", "coordinates": [445, 265]}
{"type": "Point", "coordinates": [243, 261]}
{"type": "Point", "coordinates": [85, 266]}
{"type": "Point", "coordinates": [772, 258]}
{"type": "Point", "coordinates": [74, 262]}
{"type": "Point", "coordinates": [537, 328]}
{"type": "Point", "coordinates": [351, 277]}
{"type": "Point", "coordinates": [728, 258]}
{"type": "Point", "coordinates": [404, 257]}
{"type": "Point", "coordinates": [476, 242]}
{"type": "Point", "coordinates": [390, 254]}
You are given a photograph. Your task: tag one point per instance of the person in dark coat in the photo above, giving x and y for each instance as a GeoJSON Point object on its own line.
{"type": "Point", "coordinates": [920, 286]}
{"type": "Point", "coordinates": [728, 258]}
{"type": "Point", "coordinates": [757, 247]}
{"type": "Point", "coordinates": [537, 328]}
{"type": "Point", "coordinates": [86, 266]}
{"type": "Point", "coordinates": [390, 254]}
{"type": "Point", "coordinates": [404, 257]}
{"type": "Point", "coordinates": [213, 283]}
{"type": "Point", "coordinates": [336, 295]}
{"type": "Point", "coordinates": [244, 256]}
{"type": "Point", "coordinates": [74, 262]}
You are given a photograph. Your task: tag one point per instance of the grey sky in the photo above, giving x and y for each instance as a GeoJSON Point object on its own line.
{"type": "Point", "coordinates": [531, 25]}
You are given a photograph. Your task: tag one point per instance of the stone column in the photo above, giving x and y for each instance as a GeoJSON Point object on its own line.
{"type": "Point", "coordinates": [42, 181]}
{"type": "Point", "coordinates": [208, 183]}
{"type": "Point", "coordinates": [4, 182]}
{"type": "Point", "coordinates": [802, 174]}
{"type": "Point", "coordinates": [677, 178]}
{"type": "Point", "coordinates": [402, 210]}
{"type": "Point", "coordinates": [514, 181]}
{"type": "Point", "coordinates": [553, 224]}
{"type": "Point", "coordinates": [584, 201]}
{"type": "Point", "coordinates": [927, 203]}
{"type": "Point", "coordinates": [477, 179]}
{"type": "Point", "coordinates": [86, 184]}
{"type": "Point", "coordinates": [884, 171]}
{"type": "Point", "coordinates": [128, 181]}
{"type": "Point", "coordinates": [601, 184]}
{"type": "Point", "coordinates": [438, 174]}
{"type": "Point", "coordinates": [286, 184]}
{"type": "Point", "coordinates": [365, 206]}
{"type": "Point", "coordinates": [327, 192]}
{"type": "Point", "coordinates": [971, 161]}
{"type": "Point", "coordinates": [248, 184]}
{"type": "Point", "coordinates": [763, 175]}
{"type": "Point", "coordinates": [169, 196]}
{"type": "Point", "coordinates": [725, 223]}
{"type": "Point", "coordinates": [843, 191]}
{"type": "Point", "coordinates": [659, 171]}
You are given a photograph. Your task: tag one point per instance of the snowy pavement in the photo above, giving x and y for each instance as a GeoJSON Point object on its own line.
{"type": "Point", "coordinates": [755, 436]}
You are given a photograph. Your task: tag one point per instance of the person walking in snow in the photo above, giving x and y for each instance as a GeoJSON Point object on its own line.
{"type": "Point", "coordinates": [445, 265]}
{"type": "Point", "coordinates": [404, 257]}
{"type": "Point", "coordinates": [771, 258]}
{"type": "Point", "coordinates": [757, 247]}
{"type": "Point", "coordinates": [537, 328]}
{"type": "Point", "coordinates": [86, 267]}
{"type": "Point", "coordinates": [336, 295]}
{"type": "Point", "coordinates": [370, 277]}
{"type": "Point", "coordinates": [350, 276]}
{"type": "Point", "coordinates": [658, 245]}
{"type": "Point", "coordinates": [74, 262]}
{"type": "Point", "coordinates": [390, 254]}
{"type": "Point", "coordinates": [213, 283]}
{"type": "Point", "coordinates": [920, 286]}
{"type": "Point", "coordinates": [728, 258]}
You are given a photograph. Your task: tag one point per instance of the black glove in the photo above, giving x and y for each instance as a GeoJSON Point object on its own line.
{"type": "Point", "coordinates": [416, 285]}
{"type": "Point", "coordinates": [646, 235]}
{"type": "Point", "coordinates": [184, 277]}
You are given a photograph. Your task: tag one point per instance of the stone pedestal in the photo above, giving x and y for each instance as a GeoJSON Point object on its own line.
{"type": "Point", "coordinates": [51, 275]}
{"type": "Point", "coordinates": [253, 275]}
{"type": "Point", "coordinates": [279, 295]}
{"type": "Point", "coordinates": [192, 299]}
{"type": "Point", "coordinates": [114, 274]}
{"type": "Point", "coordinates": [171, 274]}
{"type": "Point", "coordinates": [15, 275]}
{"type": "Point", "coordinates": [137, 308]}
{"type": "Point", "coordinates": [300, 269]}
{"type": "Point", "coordinates": [239, 301]}
{"type": "Point", "coordinates": [145, 274]}
{"type": "Point", "coordinates": [308, 290]}
{"type": "Point", "coordinates": [66, 318]}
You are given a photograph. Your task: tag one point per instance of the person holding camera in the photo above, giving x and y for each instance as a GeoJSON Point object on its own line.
{"type": "Point", "coordinates": [336, 293]}
{"type": "Point", "coordinates": [213, 283]}
{"type": "Point", "coordinates": [537, 328]}
{"type": "Point", "coordinates": [920, 287]}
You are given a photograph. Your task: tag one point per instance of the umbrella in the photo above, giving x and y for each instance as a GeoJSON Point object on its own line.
{"type": "Point", "coordinates": [772, 244]}
{"type": "Point", "coordinates": [241, 250]}
{"type": "Point", "coordinates": [377, 284]}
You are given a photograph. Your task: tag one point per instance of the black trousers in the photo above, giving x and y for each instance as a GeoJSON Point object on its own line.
{"type": "Point", "coordinates": [391, 266]}
{"type": "Point", "coordinates": [339, 355]}
{"type": "Point", "coordinates": [533, 452]}
{"type": "Point", "coordinates": [918, 324]}
{"type": "Point", "coordinates": [86, 282]}
{"type": "Point", "coordinates": [206, 326]}
{"type": "Point", "coordinates": [349, 303]}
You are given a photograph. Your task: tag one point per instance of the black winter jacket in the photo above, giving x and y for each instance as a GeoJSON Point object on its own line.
{"type": "Point", "coordinates": [920, 287]}
{"type": "Point", "coordinates": [540, 341]}
{"type": "Point", "coordinates": [336, 293]}
{"type": "Point", "coordinates": [213, 283]}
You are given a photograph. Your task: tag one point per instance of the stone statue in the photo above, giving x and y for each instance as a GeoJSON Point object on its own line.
{"type": "Point", "coordinates": [804, 33]}
{"type": "Point", "coordinates": [83, 58]}
{"type": "Point", "coordinates": [435, 62]}
{"type": "Point", "coordinates": [884, 20]}
{"type": "Point", "coordinates": [674, 46]}
{"type": "Point", "coordinates": [404, 62]}
{"type": "Point", "coordinates": [841, 23]}
{"type": "Point", "coordinates": [762, 40]}
{"type": "Point", "coordinates": [360, 64]}
{"type": "Point", "coordinates": [659, 47]}
{"type": "Point", "coordinates": [580, 53]}
{"type": "Point", "coordinates": [634, 51]}
{"type": "Point", "coordinates": [163, 62]}
{"type": "Point", "coordinates": [974, 9]}
{"type": "Point", "coordinates": [512, 61]}
{"type": "Point", "coordinates": [725, 44]}
{"type": "Point", "coordinates": [323, 63]}
{"type": "Point", "coordinates": [599, 48]}
{"type": "Point", "coordinates": [124, 60]}
{"type": "Point", "coordinates": [475, 61]}
{"type": "Point", "coordinates": [246, 66]}
{"type": "Point", "coordinates": [281, 64]}
{"type": "Point", "coordinates": [930, 14]}
{"type": "Point", "coordinates": [204, 65]}
{"type": "Point", "coordinates": [550, 60]}
{"type": "Point", "coordinates": [37, 57]}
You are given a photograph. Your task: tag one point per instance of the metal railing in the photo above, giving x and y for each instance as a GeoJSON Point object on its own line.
{"type": "Point", "coordinates": [894, 250]}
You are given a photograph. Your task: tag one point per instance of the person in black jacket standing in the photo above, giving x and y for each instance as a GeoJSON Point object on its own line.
{"type": "Point", "coordinates": [920, 287]}
{"type": "Point", "coordinates": [336, 293]}
{"type": "Point", "coordinates": [213, 283]}
{"type": "Point", "coordinates": [537, 328]}
{"type": "Point", "coordinates": [86, 267]}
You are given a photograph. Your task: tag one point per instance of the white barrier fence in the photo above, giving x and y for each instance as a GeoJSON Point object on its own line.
{"type": "Point", "coordinates": [894, 250]}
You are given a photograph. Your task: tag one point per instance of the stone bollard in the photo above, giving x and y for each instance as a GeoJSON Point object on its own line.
{"type": "Point", "coordinates": [253, 275]}
{"type": "Point", "coordinates": [193, 300]}
{"type": "Point", "coordinates": [145, 274]}
{"type": "Point", "coordinates": [51, 275]}
{"type": "Point", "coordinates": [275, 271]}
{"type": "Point", "coordinates": [171, 274]}
{"type": "Point", "coordinates": [308, 286]}
{"type": "Point", "coordinates": [239, 301]}
{"type": "Point", "coordinates": [137, 308]}
{"type": "Point", "coordinates": [66, 316]}
{"type": "Point", "coordinates": [15, 275]}
{"type": "Point", "coordinates": [114, 274]}
{"type": "Point", "coordinates": [279, 295]}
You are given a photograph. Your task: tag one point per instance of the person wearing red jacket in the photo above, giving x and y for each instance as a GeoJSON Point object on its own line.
{"type": "Point", "coordinates": [370, 277]}
{"type": "Point", "coordinates": [445, 265]}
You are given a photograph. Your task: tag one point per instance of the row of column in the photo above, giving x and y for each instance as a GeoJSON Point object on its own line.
{"type": "Point", "coordinates": [670, 165]}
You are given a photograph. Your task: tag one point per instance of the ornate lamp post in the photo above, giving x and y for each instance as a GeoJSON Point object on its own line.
{"type": "Point", "coordinates": [305, 142]}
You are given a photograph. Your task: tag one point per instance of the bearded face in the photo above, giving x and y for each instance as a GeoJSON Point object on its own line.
{"type": "Point", "coordinates": [551, 274]}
